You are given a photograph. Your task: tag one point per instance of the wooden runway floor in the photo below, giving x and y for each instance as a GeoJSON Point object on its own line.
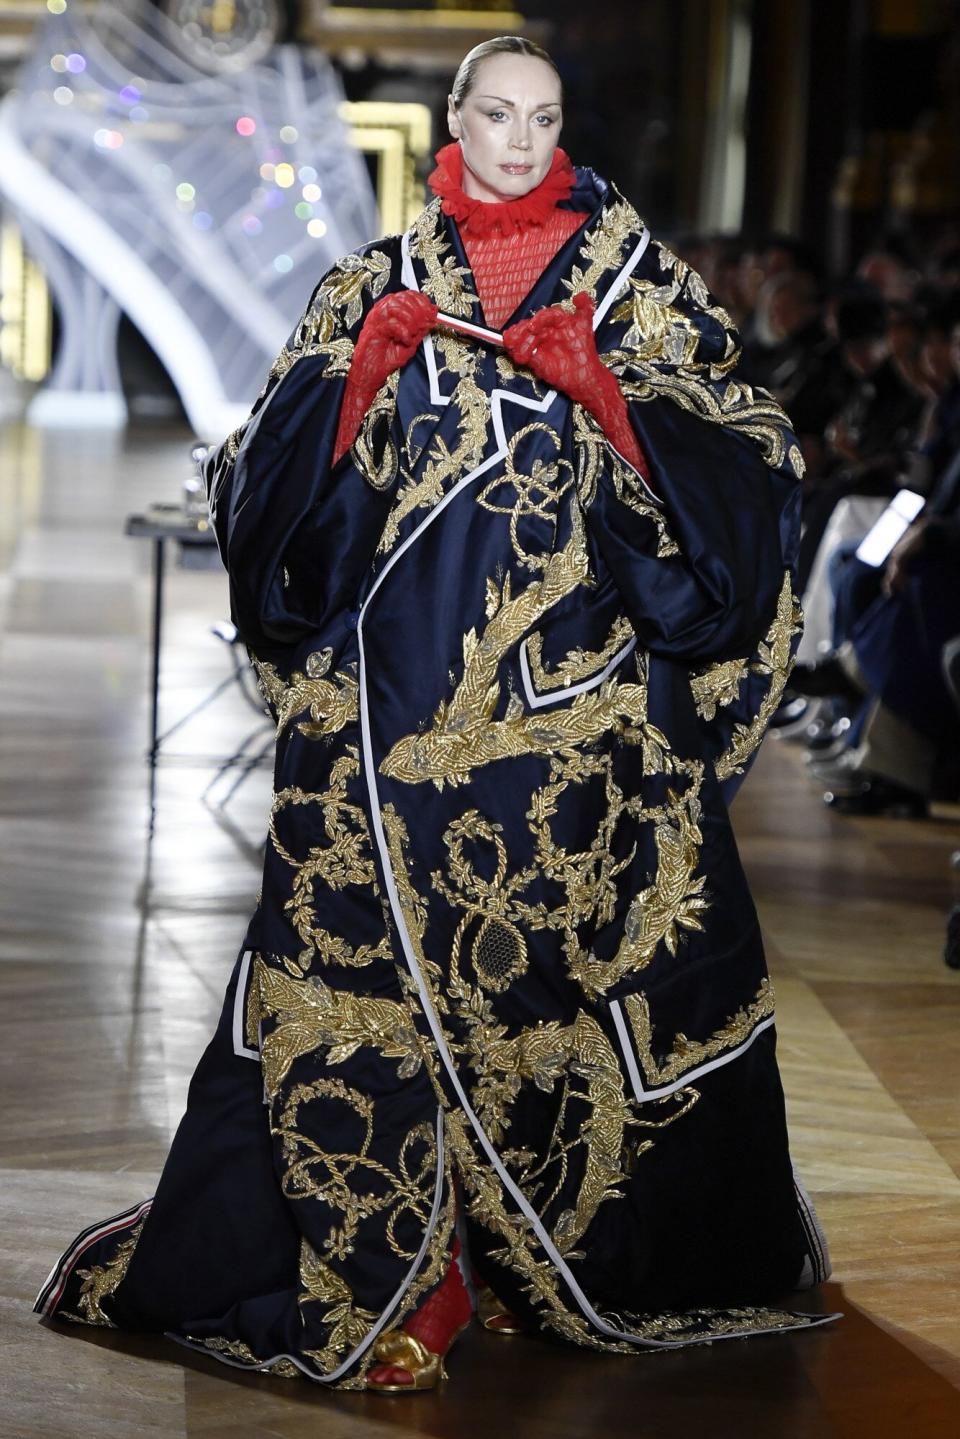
{"type": "Point", "coordinates": [111, 974]}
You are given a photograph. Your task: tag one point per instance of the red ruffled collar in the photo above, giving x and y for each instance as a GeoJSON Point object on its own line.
{"type": "Point", "coordinates": [498, 217]}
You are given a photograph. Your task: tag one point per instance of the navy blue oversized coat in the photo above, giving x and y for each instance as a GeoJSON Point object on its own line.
{"type": "Point", "coordinates": [504, 944]}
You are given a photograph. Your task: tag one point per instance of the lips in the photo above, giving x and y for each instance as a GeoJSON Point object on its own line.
{"type": "Point", "coordinates": [516, 169]}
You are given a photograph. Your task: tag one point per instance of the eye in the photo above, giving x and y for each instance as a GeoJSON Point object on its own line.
{"type": "Point", "coordinates": [544, 120]}
{"type": "Point", "coordinates": [497, 114]}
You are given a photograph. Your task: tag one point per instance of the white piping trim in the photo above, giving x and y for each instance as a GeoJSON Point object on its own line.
{"type": "Point", "coordinates": [240, 1049]}
{"type": "Point", "coordinates": [408, 274]}
{"type": "Point", "coordinates": [375, 1329]}
{"type": "Point", "coordinates": [439, 1039]}
{"type": "Point", "coordinates": [643, 1095]}
{"type": "Point", "coordinates": [630, 1059]}
{"type": "Point", "coordinates": [537, 700]}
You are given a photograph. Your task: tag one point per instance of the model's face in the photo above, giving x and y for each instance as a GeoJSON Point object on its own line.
{"type": "Point", "coordinates": [508, 126]}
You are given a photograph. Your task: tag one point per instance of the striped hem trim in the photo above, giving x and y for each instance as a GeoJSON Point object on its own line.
{"type": "Point", "coordinates": [52, 1289]}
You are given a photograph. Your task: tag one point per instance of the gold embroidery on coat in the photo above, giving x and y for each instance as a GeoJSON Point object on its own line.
{"type": "Point", "coordinates": [310, 1015]}
{"type": "Point", "coordinates": [445, 282]}
{"type": "Point", "coordinates": [688, 1053]}
{"type": "Point", "coordinates": [533, 496]}
{"type": "Point", "coordinates": [578, 664]}
{"type": "Point", "coordinates": [236, 1349]}
{"type": "Point", "coordinates": [100, 1281]}
{"type": "Point", "coordinates": [774, 658]}
{"type": "Point", "coordinates": [332, 705]}
{"type": "Point", "coordinates": [345, 859]}
{"type": "Point", "coordinates": [717, 685]}
{"type": "Point", "coordinates": [381, 474]}
{"type": "Point", "coordinates": [603, 247]}
{"type": "Point", "coordinates": [442, 465]}
{"type": "Point", "coordinates": [344, 286]}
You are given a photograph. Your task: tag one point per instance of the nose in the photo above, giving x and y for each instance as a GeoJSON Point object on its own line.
{"type": "Point", "coordinates": [520, 141]}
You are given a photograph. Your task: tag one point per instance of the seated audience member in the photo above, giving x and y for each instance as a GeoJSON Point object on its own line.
{"type": "Point", "coordinates": [872, 434]}
{"type": "Point", "coordinates": [931, 471]}
{"type": "Point", "coordinates": [902, 744]}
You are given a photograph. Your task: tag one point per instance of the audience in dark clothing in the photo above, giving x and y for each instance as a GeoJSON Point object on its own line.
{"type": "Point", "coordinates": [869, 371]}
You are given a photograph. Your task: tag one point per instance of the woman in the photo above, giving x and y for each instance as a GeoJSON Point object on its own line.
{"type": "Point", "coordinates": [511, 552]}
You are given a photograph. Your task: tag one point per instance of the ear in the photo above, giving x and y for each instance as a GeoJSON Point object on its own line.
{"type": "Point", "coordinates": [453, 119]}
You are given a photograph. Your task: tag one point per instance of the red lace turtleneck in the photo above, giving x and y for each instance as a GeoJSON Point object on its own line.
{"type": "Point", "coordinates": [509, 243]}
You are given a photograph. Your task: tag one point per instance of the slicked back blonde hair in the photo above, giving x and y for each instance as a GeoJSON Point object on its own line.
{"type": "Point", "coordinates": [466, 76]}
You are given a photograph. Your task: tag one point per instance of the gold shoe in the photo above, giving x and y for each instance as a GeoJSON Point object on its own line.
{"type": "Point", "coordinates": [402, 1351]}
{"type": "Point", "coordinates": [495, 1316]}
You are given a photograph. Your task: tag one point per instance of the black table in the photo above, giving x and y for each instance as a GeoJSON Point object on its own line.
{"type": "Point", "coordinates": [160, 524]}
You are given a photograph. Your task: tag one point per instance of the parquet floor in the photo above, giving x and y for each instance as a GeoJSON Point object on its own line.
{"type": "Point", "coordinates": [111, 975]}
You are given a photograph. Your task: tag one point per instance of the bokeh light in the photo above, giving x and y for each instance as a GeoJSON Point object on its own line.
{"type": "Point", "coordinates": [203, 221]}
{"type": "Point", "coordinates": [289, 134]}
{"type": "Point", "coordinates": [312, 193]}
{"type": "Point", "coordinates": [266, 171]}
{"type": "Point", "coordinates": [56, 7]}
{"type": "Point", "coordinates": [306, 174]}
{"type": "Point", "coordinates": [76, 64]}
{"type": "Point", "coordinates": [246, 125]}
{"type": "Point", "coordinates": [251, 225]}
{"type": "Point", "coordinates": [283, 264]}
{"type": "Point", "coordinates": [129, 94]}
{"type": "Point", "coordinates": [107, 139]}
{"type": "Point", "coordinates": [58, 63]}
{"type": "Point", "coordinates": [185, 191]}
{"type": "Point", "coordinates": [284, 175]}
{"type": "Point", "coordinates": [303, 211]}
{"type": "Point", "coordinates": [317, 228]}
{"type": "Point", "coordinates": [63, 95]}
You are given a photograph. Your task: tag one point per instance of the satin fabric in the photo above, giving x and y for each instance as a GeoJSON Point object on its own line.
{"type": "Point", "coordinates": [505, 944]}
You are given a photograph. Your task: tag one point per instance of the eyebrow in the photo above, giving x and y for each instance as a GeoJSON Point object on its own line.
{"type": "Point", "coordinates": [544, 105]}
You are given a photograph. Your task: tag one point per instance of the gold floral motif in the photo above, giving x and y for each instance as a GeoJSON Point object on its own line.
{"type": "Point", "coordinates": [332, 703]}
{"type": "Point", "coordinates": [426, 482]}
{"type": "Point", "coordinates": [236, 1349]}
{"type": "Point", "coordinates": [596, 457]}
{"type": "Point", "coordinates": [774, 658]}
{"type": "Point", "coordinates": [658, 914]}
{"type": "Point", "coordinates": [355, 1185]}
{"type": "Point", "coordinates": [687, 1053]}
{"type": "Point", "coordinates": [578, 664]}
{"type": "Point", "coordinates": [464, 733]}
{"type": "Point", "coordinates": [100, 1281]}
{"type": "Point", "coordinates": [310, 1015]}
{"type": "Point", "coordinates": [656, 329]}
{"type": "Point", "coordinates": [603, 247]}
{"type": "Point", "coordinates": [445, 282]}
{"type": "Point", "coordinates": [379, 474]}
{"type": "Point", "coordinates": [345, 859]}
{"type": "Point", "coordinates": [343, 288]}
{"type": "Point", "coordinates": [752, 413]}
{"type": "Point", "coordinates": [348, 1323]}
{"type": "Point", "coordinates": [717, 685]}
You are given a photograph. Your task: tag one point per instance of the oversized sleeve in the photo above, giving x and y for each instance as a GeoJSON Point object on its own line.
{"type": "Point", "coordinates": [295, 532]}
{"type": "Point", "coordinates": [705, 557]}
{"type": "Point", "coordinates": [709, 590]}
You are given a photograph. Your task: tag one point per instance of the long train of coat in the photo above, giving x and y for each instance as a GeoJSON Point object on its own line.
{"type": "Point", "coordinates": [505, 942]}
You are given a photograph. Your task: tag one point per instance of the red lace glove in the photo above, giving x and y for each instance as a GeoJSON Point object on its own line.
{"type": "Point", "coordinates": [560, 349]}
{"type": "Point", "coordinates": [389, 337]}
